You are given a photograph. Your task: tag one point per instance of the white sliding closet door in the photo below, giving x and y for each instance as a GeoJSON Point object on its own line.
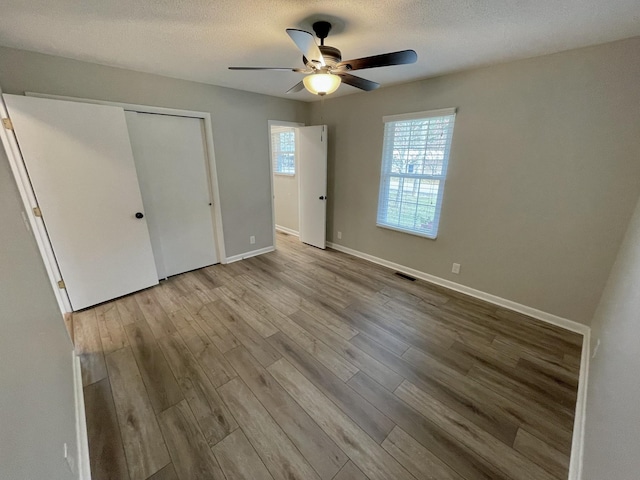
{"type": "Point", "coordinates": [172, 163]}
{"type": "Point", "coordinates": [80, 164]}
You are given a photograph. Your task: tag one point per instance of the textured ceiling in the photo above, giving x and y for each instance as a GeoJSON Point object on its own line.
{"type": "Point", "coordinates": [198, 40]}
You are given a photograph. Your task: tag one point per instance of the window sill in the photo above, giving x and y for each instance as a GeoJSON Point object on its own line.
{"type": "Point", "coordinates": [284, 174]}
{"type": "Point", "coordinates": [410, 232]}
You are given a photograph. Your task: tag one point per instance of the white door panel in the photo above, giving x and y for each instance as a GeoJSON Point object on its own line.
{"type": "Point", "coordinates": [312, 178]}
{"type": "Point", "coordinates": [171, 160]}
{"type": "Point", "coordinates": [80, 164]}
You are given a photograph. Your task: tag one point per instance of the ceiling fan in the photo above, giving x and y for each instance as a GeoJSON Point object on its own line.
{"type": "Point", "coordinates": [324, 68]}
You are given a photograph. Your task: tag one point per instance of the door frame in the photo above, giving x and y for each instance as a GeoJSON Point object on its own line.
{"type": "Point", "coordinates": [280, 123]}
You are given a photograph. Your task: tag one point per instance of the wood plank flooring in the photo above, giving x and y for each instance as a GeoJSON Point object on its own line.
{"type": "Point", "coordinates": [305, 364]}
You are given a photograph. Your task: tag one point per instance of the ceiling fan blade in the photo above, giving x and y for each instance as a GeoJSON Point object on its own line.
{"type": "Point", "coordinates": [307, 45]}
{"type": "Point", "coordinates": [384, 60]}
{"type": "Point", "coordinates": [361, 83]}
{"type": "Point", "coordinates": [280, 69]}
{"type": "Point", "coordinates": [296, 88]}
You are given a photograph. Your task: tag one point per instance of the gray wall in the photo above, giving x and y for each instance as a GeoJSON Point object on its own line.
{"type": "Point", "coordinates": [240, 128]}
{"type": "Point", "coordinates": [36, 381]}
{"type": "Point", "coordinates": [612, 444]}
{"type": "Point", "coordinates": [285, 190]}
{"type": "Point", "coordinates": [543, 176]}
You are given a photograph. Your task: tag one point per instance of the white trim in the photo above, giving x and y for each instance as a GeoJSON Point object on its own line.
{"type": "Point", "coordinates": [502, 302]}
{"type": "Point", "coordinates": [406, 230]}
{"type": "Point", "coordinates": [271, 123]}
{"type": "Point", "coordinates": [84, 465]}
{"type": "Point", "coordinates": [213, 178]}
{"type": "Point", "coordinates": [286, 230]}
{"type": "Point", "coordinates": [577, 442]}
{"type": "Point", "coordinates": [29, 201]}
{"type": "Point", "coordinates": [208, 133]}
{"type": "Point", "coordinates": [443, 112]}
{"type": "Point", "coordinates": [253, 253]}
{"type": "Point", "coordinates": [133, 107]}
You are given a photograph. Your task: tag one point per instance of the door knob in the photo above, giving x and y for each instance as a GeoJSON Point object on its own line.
{"type": "Point", "coordinates": [139, 215]}
{"type": "Point", "coordinates": [323, 198]}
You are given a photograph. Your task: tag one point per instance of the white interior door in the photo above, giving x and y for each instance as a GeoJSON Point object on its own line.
{"type": "Point", "coordinates": [80, 164]}
{"type": "Point", "coordinates": [171, 159]}
{"type": "Point", "coordinates": [312, 178]}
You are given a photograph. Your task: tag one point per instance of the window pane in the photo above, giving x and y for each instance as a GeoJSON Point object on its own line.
{"type": "Point", "coordinates": [283, 148]}
{"type": "Point", "coordinates": [427, 201]}
{"type": "Point", "coordinates": [415, 151]}
{"type": "Point", "coordinates": [393, 211]}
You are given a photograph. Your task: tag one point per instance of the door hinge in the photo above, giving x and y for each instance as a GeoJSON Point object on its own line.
{"type": "Point", "coordinates": [37, 212]}
{"type": "Point", "coordinates": [61, 284]}
{"type": "Point", "coordinates": [7, 123]}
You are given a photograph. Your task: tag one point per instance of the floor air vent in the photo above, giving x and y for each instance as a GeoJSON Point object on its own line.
{"type": "Point", "coordinates": [405, 276]}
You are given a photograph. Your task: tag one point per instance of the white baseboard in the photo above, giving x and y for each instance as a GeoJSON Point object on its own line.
{"type": "Point", "coordinates": [501, 302]}
{"type": "Point", "coordinates": [253, 253]}
{"type": "Point", "coordinates": [577, 443]}
{"type": "Point", "coordinates": [84, 467]}
{"type": "Point", "coordinates": [282, 229]}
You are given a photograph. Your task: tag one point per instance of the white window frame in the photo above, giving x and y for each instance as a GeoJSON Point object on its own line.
{"type": "Point", "coordinates": [387, 164]}
{"type": "Point", "coordinates": [274, 160]}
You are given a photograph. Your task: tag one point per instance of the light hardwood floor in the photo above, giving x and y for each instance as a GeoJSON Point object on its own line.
{"type": "Point", "coordinates": [305, 364]}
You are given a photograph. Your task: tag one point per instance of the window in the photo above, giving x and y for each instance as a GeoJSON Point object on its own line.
{"type": "Point", "coordinates": [283, 150]}
{"type": "Point", "coordinates": [414, 167]}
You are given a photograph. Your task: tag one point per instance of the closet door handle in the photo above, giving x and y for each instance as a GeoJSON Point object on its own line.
{"type": "Point", "coordinates": [139, 215]}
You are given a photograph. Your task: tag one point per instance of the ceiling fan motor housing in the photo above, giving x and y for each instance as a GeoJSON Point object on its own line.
{"type": "Point", "coordinates": [326, 68]}
{"type": "Point", "coordinates": [332, 56]}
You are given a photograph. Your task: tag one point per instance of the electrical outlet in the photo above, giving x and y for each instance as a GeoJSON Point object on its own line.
{"type": "Point", "coordinates": [252, 239]}
{"type": "Point", "coordinates": [455, 268]}
{"type": "Point", "coordinates": [339, 235]}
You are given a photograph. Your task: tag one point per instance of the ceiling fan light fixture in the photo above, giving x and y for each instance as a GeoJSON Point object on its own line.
{"type": "Point", "coordinates": [321, 83]}
{"type": "Point", "coordinates": [321, 60]}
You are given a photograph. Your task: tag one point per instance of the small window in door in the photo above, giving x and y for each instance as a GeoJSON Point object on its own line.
{"type": "Point", "coordinates": [283, 150]}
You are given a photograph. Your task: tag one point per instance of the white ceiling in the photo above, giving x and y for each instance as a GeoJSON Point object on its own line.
{"type": "Point", "coordinates": [198, 39]}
